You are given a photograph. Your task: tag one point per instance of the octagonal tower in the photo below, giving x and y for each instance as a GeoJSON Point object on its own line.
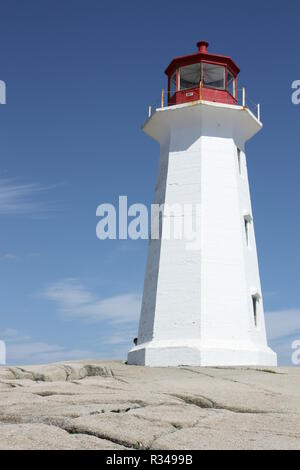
{"type": "Point", "coordinates": [203, 306]}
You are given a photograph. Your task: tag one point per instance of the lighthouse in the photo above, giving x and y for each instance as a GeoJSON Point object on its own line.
{"type": "Point", "coordinates": [203, 306]}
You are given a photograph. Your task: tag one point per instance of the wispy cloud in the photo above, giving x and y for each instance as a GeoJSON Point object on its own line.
{"type": "Point", "coordinates": [283, 327]}
{"type": "Point", "coordinates": [283, 323]}
{"type": "Point", "coordinates": [76, 301]}
{"type": "Point", "coordinates": [22, 349]}
{"type": "Point", "coordinates": [123, 336]}
{"type": "Point", "coordinates": [11, 335]}
{"type": "Point", "coordinates": [19, 199]}
{"type": "Point", "coordinates": [15, 257]}
{"type": "Point", "coordinates": [10, 257]}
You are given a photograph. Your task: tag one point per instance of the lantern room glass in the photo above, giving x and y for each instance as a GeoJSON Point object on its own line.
{"type": "Point", "coordinates": [231, 84]}
{"type": "Point", "coordinates": [213, 76]}
{"type": "Point", "coordinates": [189, 76]}
{"type": "Point", "coordinates": [173, 86]}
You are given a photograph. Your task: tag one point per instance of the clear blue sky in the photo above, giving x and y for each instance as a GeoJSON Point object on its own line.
{"type": "Point", "coordinates": [80, 75]}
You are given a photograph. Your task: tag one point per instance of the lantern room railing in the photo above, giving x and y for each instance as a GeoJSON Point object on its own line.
{"type": "Point", "coordinates": [213, 95]}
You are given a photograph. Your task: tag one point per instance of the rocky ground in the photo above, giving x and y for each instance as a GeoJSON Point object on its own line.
{"type": "Point", "coordinates": [110, 405]}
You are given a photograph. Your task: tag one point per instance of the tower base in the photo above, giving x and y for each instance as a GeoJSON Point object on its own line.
{"type": "Point", "coordinates": [195, 353]}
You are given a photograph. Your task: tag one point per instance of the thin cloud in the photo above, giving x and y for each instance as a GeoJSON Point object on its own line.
{"type": "Point", "coordinates": [282, 323]}
{"type": "Point", "coordinates": [76, 301]}
{"type": "Point", "coordinates": [283, 328]}
{"type": "Point", "coordinates": [41, 352]}
{"type": "Point", "coordinates": [21, 199]}
{"type": "Point", "coordinates": [10, 257]}
{"type": "Point", "coordinates": [15, 257]}
{"type": "Point", "coordinates": [123, 336]}
{"type": "Point", "coordinates": [21, 349]}
{"type": "Point", "coordinates": [11, 335]}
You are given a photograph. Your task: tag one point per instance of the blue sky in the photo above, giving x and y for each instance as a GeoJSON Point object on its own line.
{"type": "Point", "coordinates": [80, 76]}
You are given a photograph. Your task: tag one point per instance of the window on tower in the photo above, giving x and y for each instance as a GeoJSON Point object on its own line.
{"type": "Point", "coordinates": [231, 83]}
{"type": "Point", "coordinates": [247, 222]}
{"type": "Point", "coordinates": [189, 76]}
{"type": "Point", "coordinates": [255, 303]}
{"type": "Point", "coordinates": [213, 76]}
{"type": "Point", "coordinates": [239, 160]}
{"type": "Point", "coordinates": [173, 87]}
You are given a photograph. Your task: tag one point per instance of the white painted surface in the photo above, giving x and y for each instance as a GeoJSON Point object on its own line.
{"type": "Point", "coordinates": [197, 305]}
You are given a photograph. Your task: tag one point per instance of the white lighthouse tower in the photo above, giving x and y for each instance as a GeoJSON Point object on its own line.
{"type": "Point", "coordinates": [203, 307]}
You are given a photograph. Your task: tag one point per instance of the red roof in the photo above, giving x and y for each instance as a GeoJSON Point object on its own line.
{"type": "Point", "coordinates": [201, 54]}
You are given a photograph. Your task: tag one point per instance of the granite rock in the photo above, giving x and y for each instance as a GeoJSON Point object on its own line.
{"type": "Point", "coordinates": [110, 405]}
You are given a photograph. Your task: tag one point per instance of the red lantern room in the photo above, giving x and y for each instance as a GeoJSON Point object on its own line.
{"type": "Point", "coordinates": [202, 76]}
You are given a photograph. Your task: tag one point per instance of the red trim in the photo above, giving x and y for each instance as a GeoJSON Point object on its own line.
{"type": "Point", "coordinates": [208, 94]}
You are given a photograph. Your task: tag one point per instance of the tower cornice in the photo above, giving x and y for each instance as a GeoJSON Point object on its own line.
{"type": "Point", "coordinates": [206, 117]}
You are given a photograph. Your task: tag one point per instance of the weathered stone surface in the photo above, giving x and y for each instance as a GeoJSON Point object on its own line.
{"type": "Point", "coordinates": [110, 405]}
{"type": "Point", "coordinates": [220, 430]}
{"type": "Point", "coordinates": [41, 436]}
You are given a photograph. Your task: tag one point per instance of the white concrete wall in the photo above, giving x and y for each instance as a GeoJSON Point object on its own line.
{"type": "Point", "coordinates": [257, 333]}
{"type": "Point", "coordinates": [197, 305]}
{"type": "Point", "coordinates": [224, 312]}
{"type": "Point", "coordinates": [153, 259]}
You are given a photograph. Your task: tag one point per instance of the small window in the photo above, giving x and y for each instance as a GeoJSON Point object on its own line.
{"type": "Point", "coordinates": [230, 83]}
{"type": "Point", "coordinates": [213, 76]}
{"type": "Point", "coordinates": [173, 87]}
{"type": "Point", "coordinates": [189, 76]}
{"type": "Point", "coordinates": [239, 160]}
{"type": "Point", "coordinates": [255, 303]}
{"type": "Point", "coordinates": [247, 222]}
